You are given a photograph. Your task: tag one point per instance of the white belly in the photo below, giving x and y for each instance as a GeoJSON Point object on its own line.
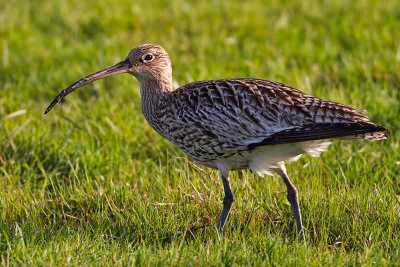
{"type": "Point", "coordinates": [263, 160]}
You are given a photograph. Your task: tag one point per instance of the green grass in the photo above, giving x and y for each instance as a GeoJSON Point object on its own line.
{"type": "Point", "coordinates": [92, 183]}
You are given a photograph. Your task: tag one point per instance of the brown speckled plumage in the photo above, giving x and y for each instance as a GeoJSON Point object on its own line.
{"type": "Point", "coordinates": [236, 123]}
{"type": "Point", "coordinates": [221, 117]}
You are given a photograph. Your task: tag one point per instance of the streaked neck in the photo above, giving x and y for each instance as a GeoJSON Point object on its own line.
{"type": "Point", "coordinates": [151, 93]}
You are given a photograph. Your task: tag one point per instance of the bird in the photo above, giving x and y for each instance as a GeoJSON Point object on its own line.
{"type": "Point", "coordinates": [236, 124]}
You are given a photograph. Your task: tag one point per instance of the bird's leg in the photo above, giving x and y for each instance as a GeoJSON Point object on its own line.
{"type": "Point", "coordinates": [228, 200]}
{"type": "Point", "coordinates": [292, 197]}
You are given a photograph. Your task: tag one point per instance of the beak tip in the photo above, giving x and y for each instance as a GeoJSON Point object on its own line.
{"type": "Point", "coordinates": [52, 104]}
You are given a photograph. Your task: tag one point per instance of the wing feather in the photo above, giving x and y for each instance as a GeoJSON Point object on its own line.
{"type": "Point", "coordinates": [318, 132]}
{"type": "Point", "coordinates": [247, 113]}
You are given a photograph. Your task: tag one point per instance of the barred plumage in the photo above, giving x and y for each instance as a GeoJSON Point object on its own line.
{"type": "Point", "coordinates": [235, 124]}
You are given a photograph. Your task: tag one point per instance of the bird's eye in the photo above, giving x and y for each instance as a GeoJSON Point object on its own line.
{"type": "Point", "coordinates": [148, 57]}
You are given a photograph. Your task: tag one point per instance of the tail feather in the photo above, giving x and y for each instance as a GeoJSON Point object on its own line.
{"type": "Point", "coordinates": [370, 136]}
{"type": "Point", "coordinates": [320, 131]}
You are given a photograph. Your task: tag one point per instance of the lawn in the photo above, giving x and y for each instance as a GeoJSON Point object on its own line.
{"type": "Point", "coordinates": [92, 183]}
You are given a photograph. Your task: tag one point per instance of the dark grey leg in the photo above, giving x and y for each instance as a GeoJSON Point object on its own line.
{"type": "Point", "coordinates": [227, 203]}
{"type": "Point", "coordinates": [292, 197]}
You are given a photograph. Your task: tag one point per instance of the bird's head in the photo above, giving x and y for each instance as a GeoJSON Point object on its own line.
{"type": "Point", "coordinates": [148, 63]}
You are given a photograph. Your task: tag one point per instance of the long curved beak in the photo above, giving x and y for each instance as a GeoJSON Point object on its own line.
{"type": "Point", "coordinates": [121, 67]}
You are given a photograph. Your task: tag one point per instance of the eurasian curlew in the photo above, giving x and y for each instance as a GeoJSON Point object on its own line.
{"type": "Point", "coordinates": [235, 124]}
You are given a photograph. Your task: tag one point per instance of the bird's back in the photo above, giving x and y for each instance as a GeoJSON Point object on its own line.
{"type": "Point", "coordinates": [220, 118]}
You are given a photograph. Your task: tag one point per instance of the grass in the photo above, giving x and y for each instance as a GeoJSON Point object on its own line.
{"type": "Point", "coordinates": [92, 183]}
